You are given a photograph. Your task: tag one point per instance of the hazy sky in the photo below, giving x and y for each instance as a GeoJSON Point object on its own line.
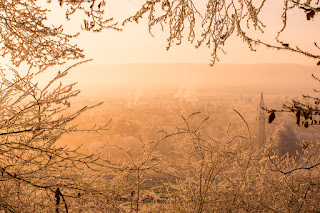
{"type": "Point", "coordinates": [135, 45]}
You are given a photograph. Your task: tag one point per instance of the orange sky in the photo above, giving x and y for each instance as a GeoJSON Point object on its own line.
{"type": "Point", "coordinates": [135, 45]}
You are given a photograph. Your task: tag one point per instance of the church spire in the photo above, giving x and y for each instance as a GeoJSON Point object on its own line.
{"type": "Point", "coordinates": [262, 123]}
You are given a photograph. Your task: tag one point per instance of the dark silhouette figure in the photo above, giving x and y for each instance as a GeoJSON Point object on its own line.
{"type": "Point", "coordinates": [272, 117]}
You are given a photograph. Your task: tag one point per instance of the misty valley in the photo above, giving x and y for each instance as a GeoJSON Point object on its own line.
{"type": "Point", "coordinates": [212, 161]}
{"type": "Point", "coordinates": [153, 146]}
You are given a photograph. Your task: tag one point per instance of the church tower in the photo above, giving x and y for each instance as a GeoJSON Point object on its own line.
{"type": "Point", "coordinates": [262, 122]}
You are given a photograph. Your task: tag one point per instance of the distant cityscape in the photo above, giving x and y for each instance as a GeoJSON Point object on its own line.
{"type": "Point", "coordinates": [138, 119]}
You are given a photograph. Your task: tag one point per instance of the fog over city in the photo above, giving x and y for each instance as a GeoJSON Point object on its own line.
{"type": "Point", "coordinates": [141, 99]}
